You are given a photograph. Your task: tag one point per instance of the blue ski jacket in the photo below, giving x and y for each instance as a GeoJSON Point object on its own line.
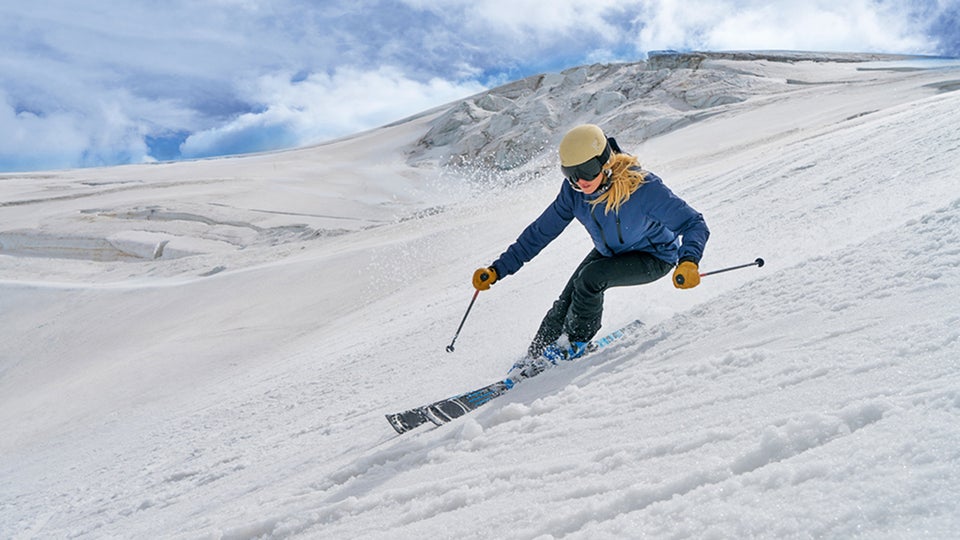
{"type": "Point", "coordinates": [652, 220]}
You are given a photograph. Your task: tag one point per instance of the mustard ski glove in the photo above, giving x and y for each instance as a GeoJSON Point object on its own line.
{"type": "Point", "coordinates": [687, 275]}
{"type": "Point", "coordinates": [483, 278]}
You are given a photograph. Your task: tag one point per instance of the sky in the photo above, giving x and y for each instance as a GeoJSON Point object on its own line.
{"type": "Point", "coordinates": [131, 81]}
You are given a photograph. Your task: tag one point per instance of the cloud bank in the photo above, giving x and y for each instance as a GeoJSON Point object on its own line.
{"type": "Point", "coordinates": [131, 81]}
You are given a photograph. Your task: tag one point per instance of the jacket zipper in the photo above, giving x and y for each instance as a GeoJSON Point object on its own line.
{"type": "Point", "coordinates": [603, 234]}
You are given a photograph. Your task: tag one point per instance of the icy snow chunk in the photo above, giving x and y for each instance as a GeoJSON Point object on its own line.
{"type": "Point", "coordinates": [605, 102]}
{"type": "Point", "coordinates": [151, 245]}
{"type": "Point", "coordinates": [494, 103]}
{"type": "Point", "coordinates": [552, 79]}
{"type": "Point", "coordinates": [500, 124]}
{"type": "Point", "coordinates": [140, 244]}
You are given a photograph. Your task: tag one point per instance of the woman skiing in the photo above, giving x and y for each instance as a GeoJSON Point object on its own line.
{"type": "Point", "coordinates": [636, 224]}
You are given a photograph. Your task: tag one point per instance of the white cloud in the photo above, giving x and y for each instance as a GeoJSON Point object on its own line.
{"type": "Point", "coordinates": [324, 106]}
{"type": "Point", "coordinates": [104, 135]}
{"type": "Point", "coordinates": [534, 21]}
{"type": "Point", "coordinates": [533, 32]}
{"type": "Point", "coordinates": [818, 25]}
{"type": "Point", "coordinates": [856, 25]}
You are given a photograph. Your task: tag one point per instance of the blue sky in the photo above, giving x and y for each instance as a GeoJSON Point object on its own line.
{"type": "Point", "coordinates": [129, 81]}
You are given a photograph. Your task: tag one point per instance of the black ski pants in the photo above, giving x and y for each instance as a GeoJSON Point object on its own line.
{"type": "Point", "coordinates": [579, 309]}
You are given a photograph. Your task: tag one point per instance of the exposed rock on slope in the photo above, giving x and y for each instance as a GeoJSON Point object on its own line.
{"type": "Point", "coordinates": [509, 125]}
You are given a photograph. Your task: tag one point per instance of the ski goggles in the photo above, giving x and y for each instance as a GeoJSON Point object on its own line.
{"type": "Point", "coordinates": [588, 170]}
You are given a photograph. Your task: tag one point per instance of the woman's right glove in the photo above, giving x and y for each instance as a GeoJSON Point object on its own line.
{"type": "Point", "coordinates": [483, 278]}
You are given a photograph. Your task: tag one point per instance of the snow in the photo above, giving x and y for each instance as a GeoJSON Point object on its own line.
{"type": "Point", "coordinates": [207, 349]}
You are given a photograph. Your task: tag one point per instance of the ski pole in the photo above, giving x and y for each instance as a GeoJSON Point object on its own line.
{"type": "Point", "coordinates": [758, 263]}
{"type": "Point", "coordinates": [450, 346]}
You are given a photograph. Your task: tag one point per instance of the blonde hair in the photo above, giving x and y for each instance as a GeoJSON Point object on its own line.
{"type": "Point", "coordinates": [626, 176]}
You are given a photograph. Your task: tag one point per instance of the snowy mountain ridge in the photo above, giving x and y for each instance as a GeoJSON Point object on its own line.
{"type": "Point", "coordinates": [207, 349]}
{"type": "Point", "coordinates": [509, 125]}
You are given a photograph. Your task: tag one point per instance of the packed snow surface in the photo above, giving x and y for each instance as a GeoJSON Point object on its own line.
{"type": "Point", "coordinates": [207, 349]}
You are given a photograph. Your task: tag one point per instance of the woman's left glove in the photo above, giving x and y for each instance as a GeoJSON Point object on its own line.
{"type": "Point", "coordinates": [483, 278]}
{"type": "Point", "coordinates": [687, 275]}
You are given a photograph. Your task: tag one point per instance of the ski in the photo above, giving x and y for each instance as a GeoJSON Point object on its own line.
{"type": "Point", "coordinates": [445, 410]}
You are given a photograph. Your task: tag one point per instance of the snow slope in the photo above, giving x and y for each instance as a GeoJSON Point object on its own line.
{"type": "Point", "coordinates": [207, 349]}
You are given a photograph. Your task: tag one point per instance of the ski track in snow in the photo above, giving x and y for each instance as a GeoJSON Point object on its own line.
{"type": "Point", "coordinates": [817, 397]}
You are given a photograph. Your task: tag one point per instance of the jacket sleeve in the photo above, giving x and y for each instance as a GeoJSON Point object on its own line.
{"type": "Point", "coordinates": [537, 235]}
{"type": "Point", "coordinates": [675, 214]}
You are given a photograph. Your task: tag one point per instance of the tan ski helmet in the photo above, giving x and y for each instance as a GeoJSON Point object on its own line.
{"type": "Point", "coordinates": [582, 144]}
{"type": "Point", "coordinates": [584, 151]}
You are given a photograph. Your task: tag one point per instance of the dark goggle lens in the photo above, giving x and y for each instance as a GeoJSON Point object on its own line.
{"type": "Point", "coordinates": [585, 171]}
